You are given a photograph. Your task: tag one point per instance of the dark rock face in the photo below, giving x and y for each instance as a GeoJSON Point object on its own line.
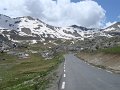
{"type": "Point", "coordinates": [3, 38]}
{"type": "Point", "coordinates": [114, 33]}
{"type": "Point", "coordinates": [17, 37]}
{"type": "Point", "coordinates": [16, 22]}
{"type": "Point", "coordinates": [74, 33]}
{"type": "Point", "coordinates": [68, 32]}
{"type": "Point", "coordinates": [26, 30]}
{"type": "Point", "coordinates": [51, 27]}
{"type": "Point", "coordinates": [30, 18]}
{"type": "Point", "coordinates": [80, 27]}
{"type": "Point", "coordinates": [37, 28]}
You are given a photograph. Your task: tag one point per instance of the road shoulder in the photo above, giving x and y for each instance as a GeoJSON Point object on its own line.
{"type": "Point", "coordinates": [56, 76]}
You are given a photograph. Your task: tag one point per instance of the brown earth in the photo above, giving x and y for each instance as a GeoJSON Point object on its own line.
{"type": "Point", "coordinates": [102, 60]}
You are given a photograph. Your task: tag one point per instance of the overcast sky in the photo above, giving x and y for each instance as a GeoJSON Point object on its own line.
{"type": "Point", "coordinates": [86, 13]}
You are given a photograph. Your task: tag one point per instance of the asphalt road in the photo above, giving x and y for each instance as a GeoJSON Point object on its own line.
{"type": "Point", "coordinates": [78, 75]}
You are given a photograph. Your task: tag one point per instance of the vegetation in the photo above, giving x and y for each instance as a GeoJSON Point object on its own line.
{"type": "Point", "coordinates": [26, 74]}
{"type": "Point", "coordinates": [113, 50]}
{"type": "Point", "coordinates": [110, 50]}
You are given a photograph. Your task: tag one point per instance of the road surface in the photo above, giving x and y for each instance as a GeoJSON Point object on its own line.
{"type": "Point", "coordinates": [78, 75]}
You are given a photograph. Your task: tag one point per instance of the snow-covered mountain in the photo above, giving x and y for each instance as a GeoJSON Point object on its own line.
{"type": "Point", "coordinates": [28, 28]}
{"type": "Point", "coordinates": [113, 29]}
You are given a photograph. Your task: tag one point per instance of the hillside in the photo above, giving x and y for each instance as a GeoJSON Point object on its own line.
{"type": "Point", "coordinates": [108, 58]}
{"type": "Point", "coordinates": [28, 28]}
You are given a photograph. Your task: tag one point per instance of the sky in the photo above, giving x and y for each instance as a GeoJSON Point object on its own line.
{"type": "Point", "coordinates": [87, 13]}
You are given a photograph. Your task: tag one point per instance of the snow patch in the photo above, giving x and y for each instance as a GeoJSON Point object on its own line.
{"type": "Point", "coordinates": [34, 41]}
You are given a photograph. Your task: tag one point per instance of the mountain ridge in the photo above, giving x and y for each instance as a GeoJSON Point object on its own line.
{"type": "Point", "coordinates": [36, 29]}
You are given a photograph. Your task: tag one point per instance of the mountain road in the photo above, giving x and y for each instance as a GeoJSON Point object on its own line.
{"type": "Point", "coordinates": [78, 75]}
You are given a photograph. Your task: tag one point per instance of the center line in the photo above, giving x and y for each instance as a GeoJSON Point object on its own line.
{"type": "Point", "coordinates": [63, 85]}
{"type": "Point", "coordinates": [64, 70]}
{"type": "Point", "coordinates": [64, 75]}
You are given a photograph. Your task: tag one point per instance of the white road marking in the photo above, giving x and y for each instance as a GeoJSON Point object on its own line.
{"type": "Point", "coordinates": [63, 85]}
{"type": "Point", "coordinates": [64, 75]}
{"type": "Point", "coordinates": [64, 70]}
{"type": "Point", "coordinates": [108, 71]}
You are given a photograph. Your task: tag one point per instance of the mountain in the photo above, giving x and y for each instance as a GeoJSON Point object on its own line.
{"type": "Point", "coordinates": [113, 29]}
{"type": "Point", "coordinates": [28, 28]}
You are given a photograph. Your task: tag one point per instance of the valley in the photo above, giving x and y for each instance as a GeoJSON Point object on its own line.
{"type": "Point", "coordinates": [31, 51]}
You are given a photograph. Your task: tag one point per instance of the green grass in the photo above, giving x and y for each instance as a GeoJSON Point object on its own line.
{"type": "Point", "coordinates": [113, 50]}
{"type": "Point", "coordinates": [26, 74]}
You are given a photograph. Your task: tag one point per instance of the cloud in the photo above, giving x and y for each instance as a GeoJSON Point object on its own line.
{"type": "Point", "coordinates": [86, 13]}
{"type": "Point", "coordinates": [13, 8]}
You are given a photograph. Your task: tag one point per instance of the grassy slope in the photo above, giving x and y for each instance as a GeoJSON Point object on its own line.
{"type": "Point", "coordinates": [113, 50]}
{"type": "Point", "coordinates": [26, 74]}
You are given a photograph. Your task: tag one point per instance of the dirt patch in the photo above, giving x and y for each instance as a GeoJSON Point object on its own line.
{"type": "Point", "coordinates": [102, 60]}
